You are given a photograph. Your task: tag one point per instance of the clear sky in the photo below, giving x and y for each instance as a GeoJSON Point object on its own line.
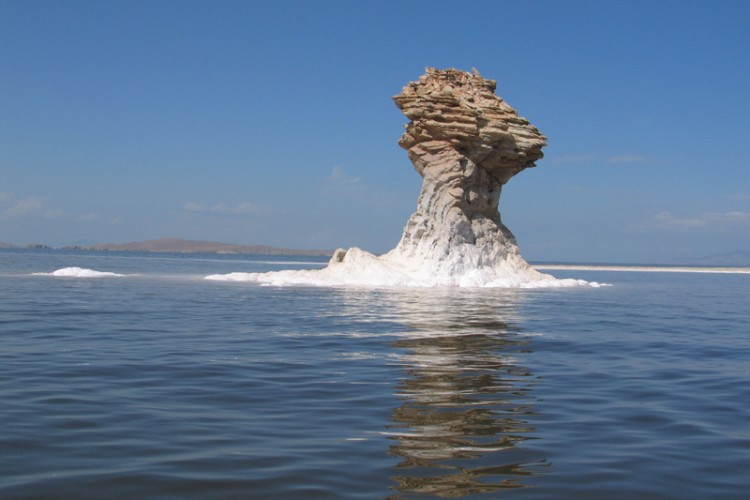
{"type": "Point", "coordinates": [272, 122]}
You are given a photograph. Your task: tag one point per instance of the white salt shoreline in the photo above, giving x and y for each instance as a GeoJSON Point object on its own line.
{"type": "Point", "coordinates": [642, 268]}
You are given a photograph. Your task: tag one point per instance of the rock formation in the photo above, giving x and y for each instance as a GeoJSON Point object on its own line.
{"type": "Point", "coordinates": [466, 143]}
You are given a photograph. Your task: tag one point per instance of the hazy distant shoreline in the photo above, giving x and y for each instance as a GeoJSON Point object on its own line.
{"type": "Point", "coordinates": [644, 268]}
{"type": "Point", "coordinates": [179, 245]}
{"type": "Point", "coordinates": [738, 261]}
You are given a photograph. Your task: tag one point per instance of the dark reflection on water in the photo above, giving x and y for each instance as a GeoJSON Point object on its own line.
{"type": "Point", "coordinates": [467, 402]}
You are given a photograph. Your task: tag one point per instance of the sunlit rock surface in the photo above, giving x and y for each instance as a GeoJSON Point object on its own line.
{"type": "Point", "coordinates": [466, 143]}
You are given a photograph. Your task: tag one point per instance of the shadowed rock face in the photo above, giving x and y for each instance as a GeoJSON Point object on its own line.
{"type": "Point", "coordinates": [466, 143]}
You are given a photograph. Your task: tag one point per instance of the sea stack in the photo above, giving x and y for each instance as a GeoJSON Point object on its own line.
{"type": "Point", "coordinates": [466, 143]}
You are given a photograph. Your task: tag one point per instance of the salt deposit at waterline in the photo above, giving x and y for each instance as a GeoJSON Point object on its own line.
{"type": "Point", "coordinates": [360, 268]}
{"type": "Point", "coordinates": [78, 272]}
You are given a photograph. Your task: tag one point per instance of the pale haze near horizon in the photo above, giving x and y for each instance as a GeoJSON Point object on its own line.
{"type": "Point", "coordinates": [272, 122]}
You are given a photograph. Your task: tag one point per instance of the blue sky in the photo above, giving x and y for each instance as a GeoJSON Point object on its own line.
{"type": "Point", "coordinates": [272, 122]}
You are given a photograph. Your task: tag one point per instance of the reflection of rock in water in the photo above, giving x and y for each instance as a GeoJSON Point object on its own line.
{"type": "Point", "coordinates": [467, 405]}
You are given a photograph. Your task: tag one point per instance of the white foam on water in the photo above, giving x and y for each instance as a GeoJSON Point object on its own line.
{"type": "Point", "coordinates": [360, 268]}
{"type": "Point", "coordinates": [79, 272]}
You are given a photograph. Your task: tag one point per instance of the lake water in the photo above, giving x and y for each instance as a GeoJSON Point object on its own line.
{"type": "Point", "coordinates": [160, 384]}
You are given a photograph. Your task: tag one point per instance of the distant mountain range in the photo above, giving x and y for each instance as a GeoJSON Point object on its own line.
{"type": "Point", "coordinates": [179, 245]}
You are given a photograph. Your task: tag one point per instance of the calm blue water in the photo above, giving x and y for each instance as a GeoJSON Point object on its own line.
{"type": "Point", "coordinates": [163, 385]}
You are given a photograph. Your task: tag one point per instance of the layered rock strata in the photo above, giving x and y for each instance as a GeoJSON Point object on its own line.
{"type": "Point", "coordinates": [466, 143]}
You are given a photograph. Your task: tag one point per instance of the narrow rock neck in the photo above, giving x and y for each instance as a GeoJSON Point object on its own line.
{"type": "Point", "coordinates": [457, 209]}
